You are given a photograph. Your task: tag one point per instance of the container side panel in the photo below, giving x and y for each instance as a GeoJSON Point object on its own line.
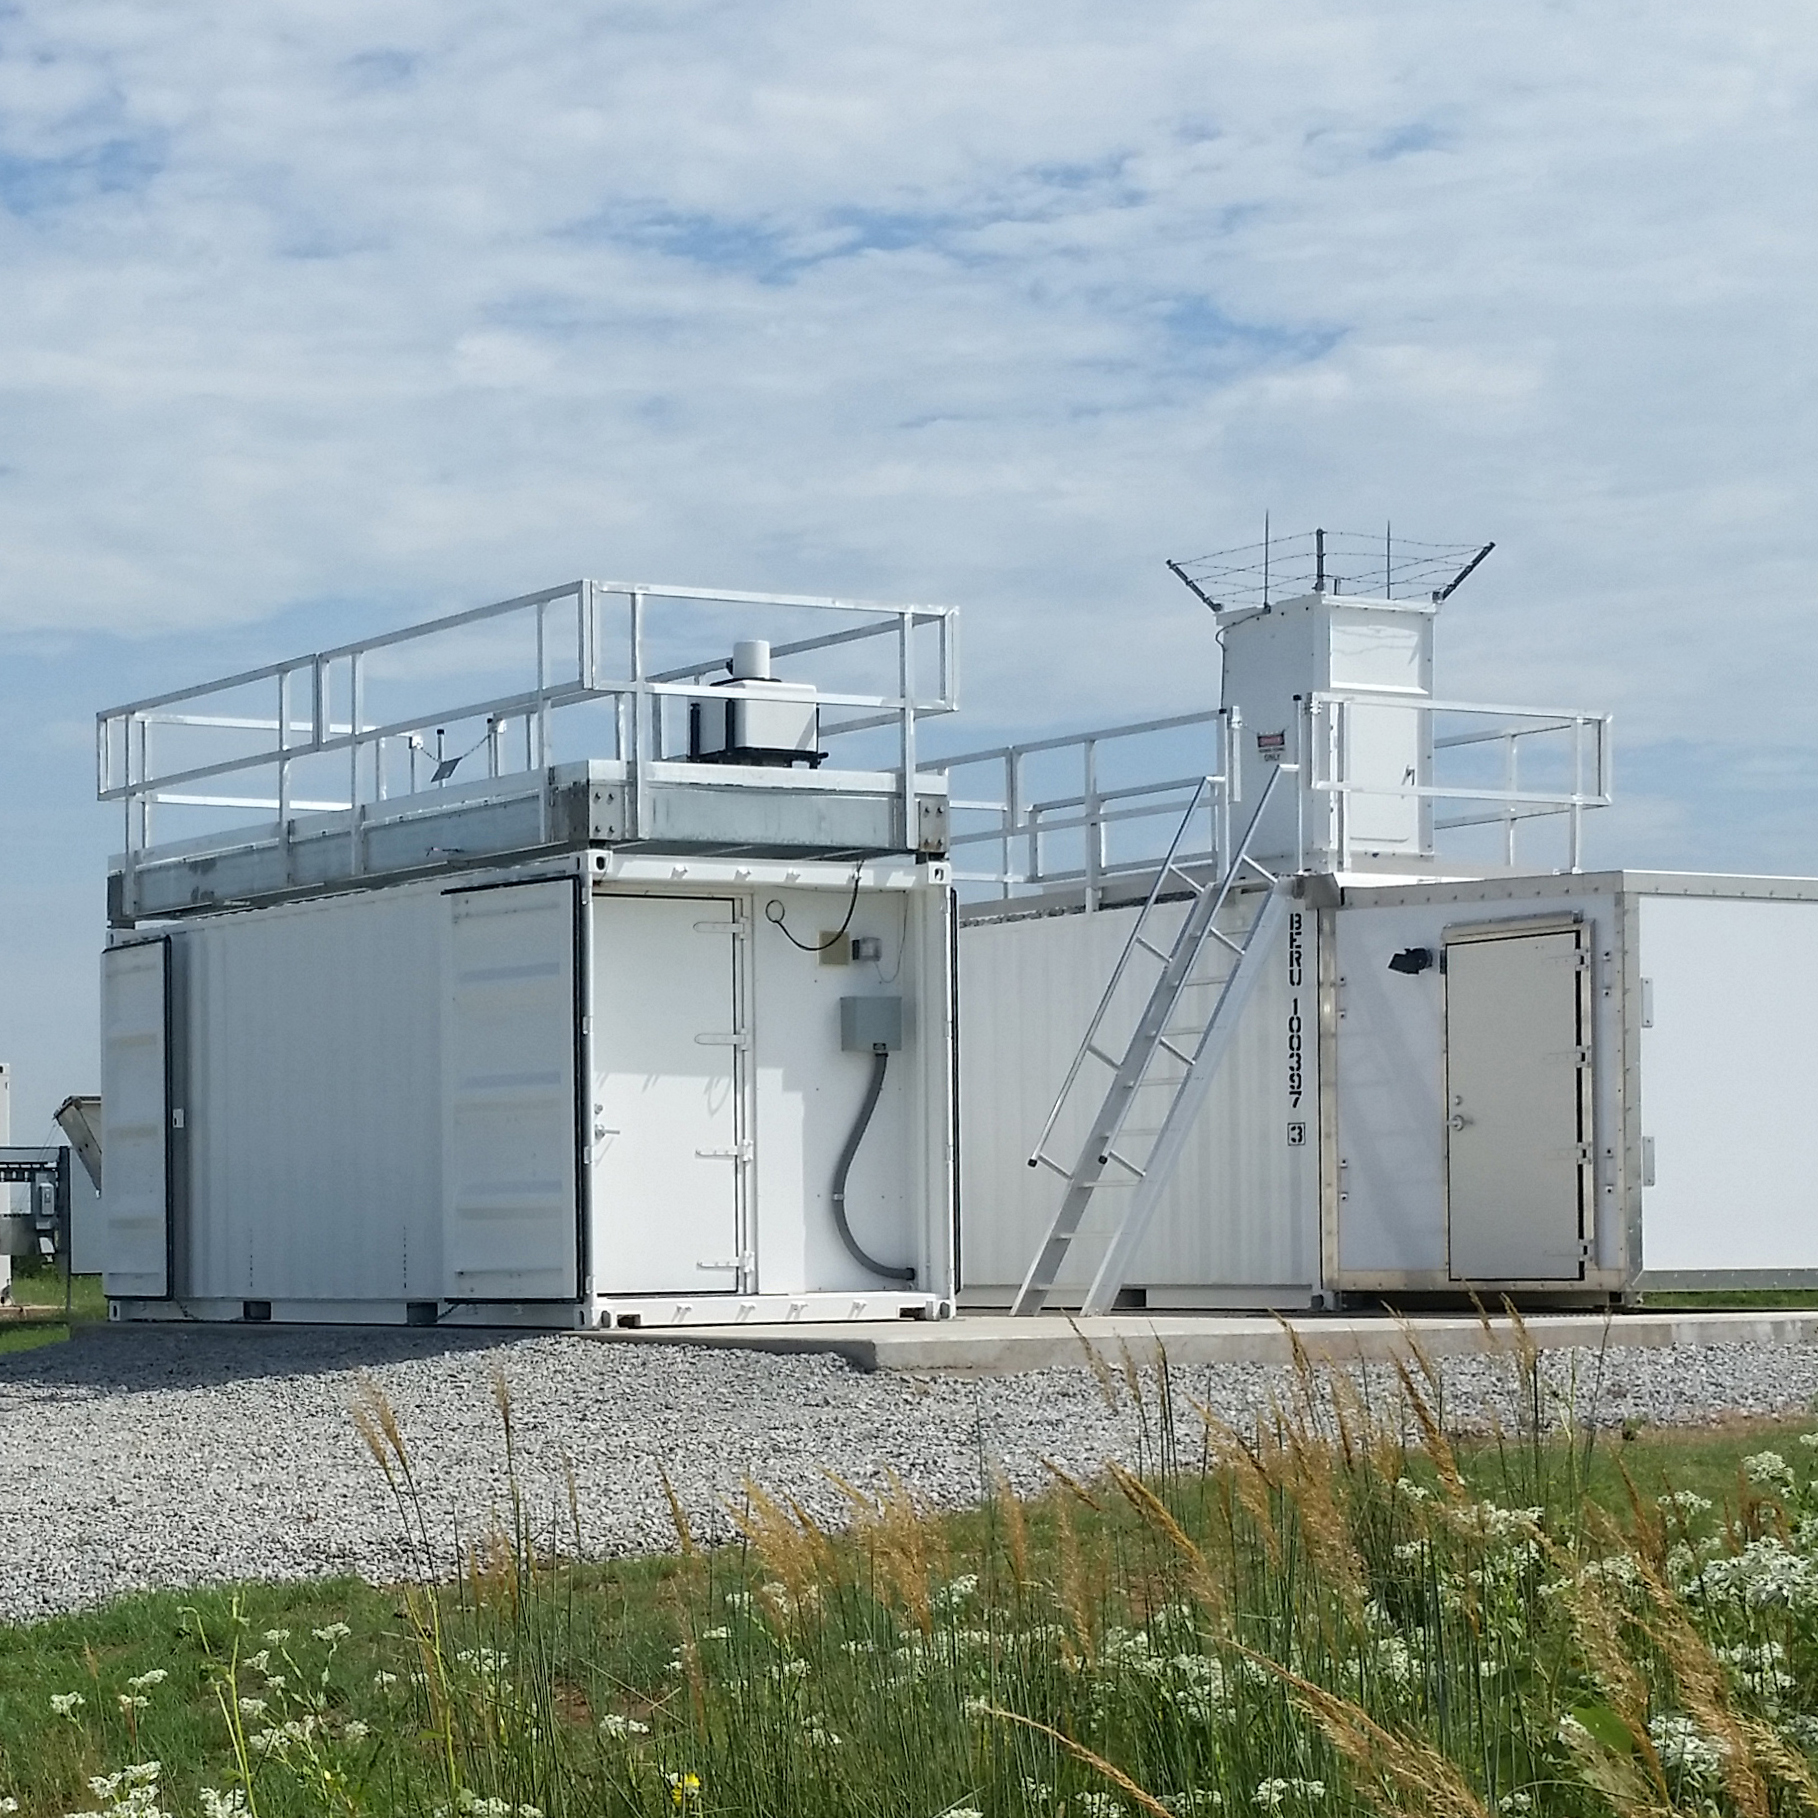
{"type": "Point", "coordinates": [666, 1028]}
{"type": "Point", "coordinates": [1241, 1210]}
{"type": "Point", "coordinates": [511, 1217]}
{"type": "Point", "coordinates": [1729, 1079]}
{"type": "Point", "coordinates": [1512, 1108]}
{"type": "Point", "coordinates": [135, 1090]}
{"type": "Point", "coordinates": [809, 1093]}
{"type": "Point", "coordinates": [314, 1122]}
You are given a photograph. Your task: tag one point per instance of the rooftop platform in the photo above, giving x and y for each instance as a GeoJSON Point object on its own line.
{"type": "Point", "coordinates": [436, 747]}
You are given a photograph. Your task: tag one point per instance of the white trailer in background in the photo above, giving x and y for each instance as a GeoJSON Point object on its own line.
{"type": "Point", "coordinates": [1429, 1072]}
{"type": "Point", "coordinates": [658, 1037]}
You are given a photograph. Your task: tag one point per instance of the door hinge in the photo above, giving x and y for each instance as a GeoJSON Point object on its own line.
{"type": "Point", "coordinates": [176, 1117]}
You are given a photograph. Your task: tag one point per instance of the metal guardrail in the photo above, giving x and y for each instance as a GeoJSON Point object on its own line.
{"type": "Point", "coordinates": [1584, 761]}
{"type": "Point", "coordinates": [1053, 841]}
{"type": "Point", "coordinates": [312, 720]}
{"type": "Point", "coordinates": [1066, 838]}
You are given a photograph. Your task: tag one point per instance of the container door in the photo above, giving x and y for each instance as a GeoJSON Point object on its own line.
{"type": "Point", "coordinates": [135, 1097]}
{"type": "Point", "coordinates": [510, 1198]}
{"type": "Point", "coordinates": [667, 1038]}
{"type": "Point", "coordinates": [1518, 1137]}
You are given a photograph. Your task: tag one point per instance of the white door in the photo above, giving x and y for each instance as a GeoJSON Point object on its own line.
{"type": "Point", "coordinates": [666, 1070]}
{"type": "Point", "coordinates": [135, 1099]}
{"type": "Point", "coordinates": [510, 1200]}
{"type": "Point", "coordinates": [1518, 1137]}
{"type": "Point", "coordinates": [1383, 758]}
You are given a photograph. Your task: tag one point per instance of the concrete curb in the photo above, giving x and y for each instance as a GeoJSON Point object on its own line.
{"type": "Point", "coordinates": [997, 1345]}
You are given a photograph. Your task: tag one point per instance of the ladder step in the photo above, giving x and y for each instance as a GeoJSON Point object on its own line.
{"type": "Point", "coordinates": [1039, 1160]}
{"type": "Point", "coordinates": [1099, 1054]}
{"type": "Point", "coordinates": [1111, 1155]}
{"type": "Point", "coordinates": [1224, 940]}
{"type": "Point", "coordinates": [1150, 948]}
{"type": "Point", "coordinates": [1185, 1059]}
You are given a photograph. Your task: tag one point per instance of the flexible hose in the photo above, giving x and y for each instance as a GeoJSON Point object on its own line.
{"type": "Point", "coordinates": [880, 1060]}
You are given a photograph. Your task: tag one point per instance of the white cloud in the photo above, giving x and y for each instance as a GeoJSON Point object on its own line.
{"type": "Point", "coordinates": [307, 303]}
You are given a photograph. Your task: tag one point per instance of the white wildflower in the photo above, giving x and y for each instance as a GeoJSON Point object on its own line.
{"type": "Point", "coordinates": [1394, 1660]}
{"type": "Point", "coordinates": [276, 1637]}
{"type": "Point", "coordinates": [1097, 1805]}
{"type": "Point", "coordinates": [261, 1661]}
{"type": "Point", "coordinates": [335, 1632]}
{"type": "Point", "coordinates": [355, 1731]}
{"type": "Point", "coordinates": [1037, 1792]}
{"type": "Point", "coordinates": [612, 1724]}
{"type": "Point", "coordinates": [1271, 1795]}
{"type": "Point", "coordinates": [818, 1736]}
{"type": "Point", "coordinates": [1686, 1503]}
{"type": "Point", "coordinates": [131, 1702]}
{"type": "Point", "coordinates": [1769, 1470]}
{"type": "Point", "coordinates": [217, 1804]}
{"type": "Point", "coordinates": [1684, 1748]}
{"type": "Point", "coordinates": [8, 1804]}
{"type": "Point", "coordinates": [716, 1634]}
{"type": "Point", "coordinates": [1198, 1799]}
{"type": "Point", "coordinates": [252, 1707]}
{"type": "Point", "coordinates": [383, 1679]}
{"type": "Point", "coordinates": [66, 1704]}
{"type": "Point", "coordinates": [145, 1681]}
{"type": "Point", "coordinates": [953, 1596]}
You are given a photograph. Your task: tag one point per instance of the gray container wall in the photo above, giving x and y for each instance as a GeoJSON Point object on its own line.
{"type": "Point", "coordinates": [1240, 1221]}
{"type": "Point", "coordinates": [1388, 1227]}
{"type": "Point", "coordinates": [310, 1037]}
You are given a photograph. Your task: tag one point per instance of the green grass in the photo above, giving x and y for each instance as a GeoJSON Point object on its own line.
{"type": "Point", "coordinates": [1311, 1619]}
{"type": "Point", "coordinates": [40, 1291]}
{"type": "Point", "coordinates": [1790, 1300]}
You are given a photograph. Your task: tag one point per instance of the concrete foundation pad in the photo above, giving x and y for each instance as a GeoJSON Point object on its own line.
{"type": "Point", "coordinates": [998, 1345]}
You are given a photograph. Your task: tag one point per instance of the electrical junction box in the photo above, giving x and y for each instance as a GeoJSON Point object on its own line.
{"type": "Point", "coordinates": [870, 1023]}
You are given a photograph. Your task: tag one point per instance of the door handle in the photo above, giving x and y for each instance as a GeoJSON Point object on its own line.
{"type": "Point", "coordinates": [1458, 1120]}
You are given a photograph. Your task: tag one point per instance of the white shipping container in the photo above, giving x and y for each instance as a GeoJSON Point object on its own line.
{"type": "Point", "coordinates": [558, 1095]}
{"type": "Point", "coordinates": [1567, 1087]}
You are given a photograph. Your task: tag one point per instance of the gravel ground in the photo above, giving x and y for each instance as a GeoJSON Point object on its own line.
{"type": "Point", "coordinates": [135, 1458]}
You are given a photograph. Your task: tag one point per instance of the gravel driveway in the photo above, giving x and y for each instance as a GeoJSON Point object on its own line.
{"type": "Point", "coordinates": [136, 1457]}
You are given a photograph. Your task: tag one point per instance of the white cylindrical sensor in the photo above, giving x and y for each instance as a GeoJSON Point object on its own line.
{"type": "Point", "coordinates": [751, 660]}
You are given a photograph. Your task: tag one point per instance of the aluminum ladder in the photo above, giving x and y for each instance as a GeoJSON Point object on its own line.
{"type": "Point", "coordinates": [1155, 1041]}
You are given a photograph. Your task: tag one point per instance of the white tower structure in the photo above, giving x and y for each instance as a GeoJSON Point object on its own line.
{"type": "Point", "coordinates": [1339, 685]}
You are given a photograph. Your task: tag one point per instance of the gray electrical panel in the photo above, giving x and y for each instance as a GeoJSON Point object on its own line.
{"type": "Point", "coordinates": [870, 1023]}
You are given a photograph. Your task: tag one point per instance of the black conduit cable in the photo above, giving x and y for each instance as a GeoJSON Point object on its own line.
{"type": "Point", "coordinates": [774, 913]}
{"type": "Point", "coordinates": [880, 1060]}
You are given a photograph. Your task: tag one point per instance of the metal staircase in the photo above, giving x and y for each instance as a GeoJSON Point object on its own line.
{"type": "Point", "coordinates": [1172, 1051]}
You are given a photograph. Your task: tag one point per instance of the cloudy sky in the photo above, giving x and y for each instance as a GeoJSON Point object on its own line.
{"type": "Point", "coordinates": [319, 317]}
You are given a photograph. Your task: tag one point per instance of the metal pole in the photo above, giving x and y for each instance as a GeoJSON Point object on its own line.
{"type": "Point", "coordinates": [356, 694]}
{"type": "Point", "coordinates": [640, 713]}
{"type": "Point", "coordinates": [1012, 790]}
{"type": "Point", "coordinates": [1094, 828]}
{"type": "Point", "coordinates": [906, 670]}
